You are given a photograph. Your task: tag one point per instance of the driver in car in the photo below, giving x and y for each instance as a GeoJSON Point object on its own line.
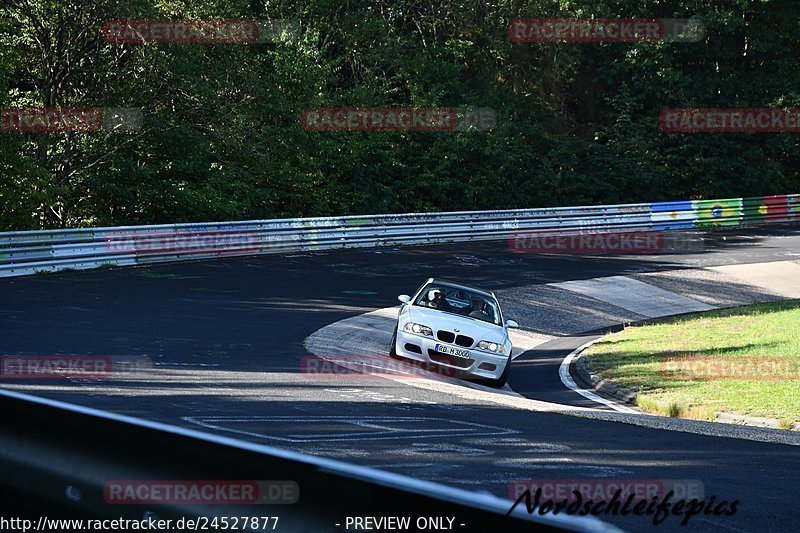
{"type": "Point", "coordinates": [437, 301]}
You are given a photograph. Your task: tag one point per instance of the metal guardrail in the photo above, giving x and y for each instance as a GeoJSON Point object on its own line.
{"type": "Point", "coordinates": [30, 252]}
{"type": "Point", "coordinates": [58, 461]}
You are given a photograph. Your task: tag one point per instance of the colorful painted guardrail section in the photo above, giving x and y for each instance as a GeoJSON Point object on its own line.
{"type": "Point", "coordinates": [31, 252]}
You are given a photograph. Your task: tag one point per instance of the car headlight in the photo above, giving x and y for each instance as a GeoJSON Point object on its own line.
{"type": "Point", "coordinates": [491, 347]}
{"type": "Point", "coordinates": [419, 329]}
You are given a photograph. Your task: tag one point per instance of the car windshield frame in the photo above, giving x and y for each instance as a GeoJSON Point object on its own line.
{"type": "Point", "coordinates": [447, 289]}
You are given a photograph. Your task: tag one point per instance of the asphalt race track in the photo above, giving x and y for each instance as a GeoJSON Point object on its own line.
{"type": "Point", "coordinates": [218, 345]}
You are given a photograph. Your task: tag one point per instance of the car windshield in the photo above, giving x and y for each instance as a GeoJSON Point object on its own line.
{"type": "Point", "coordinates": [459, 301]}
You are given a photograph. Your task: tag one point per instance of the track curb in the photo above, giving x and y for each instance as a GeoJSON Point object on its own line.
{"type": "Point", "coordinates": [598, 384]}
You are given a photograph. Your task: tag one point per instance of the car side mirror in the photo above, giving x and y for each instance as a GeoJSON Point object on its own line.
{"type": "Point", "coordinates": [511, 324]}
{"type": "Point", "coordinates": [404, 298]}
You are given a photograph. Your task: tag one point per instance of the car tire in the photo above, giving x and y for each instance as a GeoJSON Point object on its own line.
{"type": "Point", "coordinates": [393, 348]}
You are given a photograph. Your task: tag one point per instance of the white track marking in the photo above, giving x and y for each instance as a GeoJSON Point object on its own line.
{"type": "Point", "coordinates": [566, 379]}
{"type": "Point", "coordinates": [387, 427]}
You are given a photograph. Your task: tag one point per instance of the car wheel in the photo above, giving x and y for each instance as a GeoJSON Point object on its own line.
{"type": "Point", "coordinates": [393, 348]}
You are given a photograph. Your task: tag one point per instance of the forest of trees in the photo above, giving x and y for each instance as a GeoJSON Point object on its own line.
{"type": "Point", "coordinates": [221, 138]}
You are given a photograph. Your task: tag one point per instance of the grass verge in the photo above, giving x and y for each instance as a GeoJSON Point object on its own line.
{"type": "Point", "coordinates": [744, 360]}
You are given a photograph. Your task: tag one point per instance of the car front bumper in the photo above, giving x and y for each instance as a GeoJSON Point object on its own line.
{"type": "Point", "coordinates": [480, 364]}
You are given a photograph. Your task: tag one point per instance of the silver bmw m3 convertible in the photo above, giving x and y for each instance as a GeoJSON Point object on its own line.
{"type": "Point", "coordinates": [457, 327]}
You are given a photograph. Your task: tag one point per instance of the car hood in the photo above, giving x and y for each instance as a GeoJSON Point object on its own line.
{"type": "Point", "coordinates": [477, 329]}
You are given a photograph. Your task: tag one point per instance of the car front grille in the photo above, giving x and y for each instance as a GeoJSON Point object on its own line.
{"type": "Point", "coordinates": [445, 336]}
{"type": "Point", "coordinates": [463, 340]}
{"type": "Point", "coordinates": [449, 336]}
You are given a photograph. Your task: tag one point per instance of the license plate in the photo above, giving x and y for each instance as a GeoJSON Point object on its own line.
{"type": "Point", "coordinates": [452, 351]}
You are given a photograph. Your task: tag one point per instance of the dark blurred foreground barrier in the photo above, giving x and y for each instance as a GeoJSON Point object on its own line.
{"type": "Point", "coordinates": [56, 460]}
{"type": "Point", "coordinates": [29, 252]}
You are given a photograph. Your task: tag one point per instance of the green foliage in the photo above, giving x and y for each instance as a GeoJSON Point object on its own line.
{"type": "Point", "coordinates": [577, 123]}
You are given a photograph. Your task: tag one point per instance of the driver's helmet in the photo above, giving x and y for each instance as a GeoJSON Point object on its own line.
{"type": "Point", "coordinates": [434, 295]}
